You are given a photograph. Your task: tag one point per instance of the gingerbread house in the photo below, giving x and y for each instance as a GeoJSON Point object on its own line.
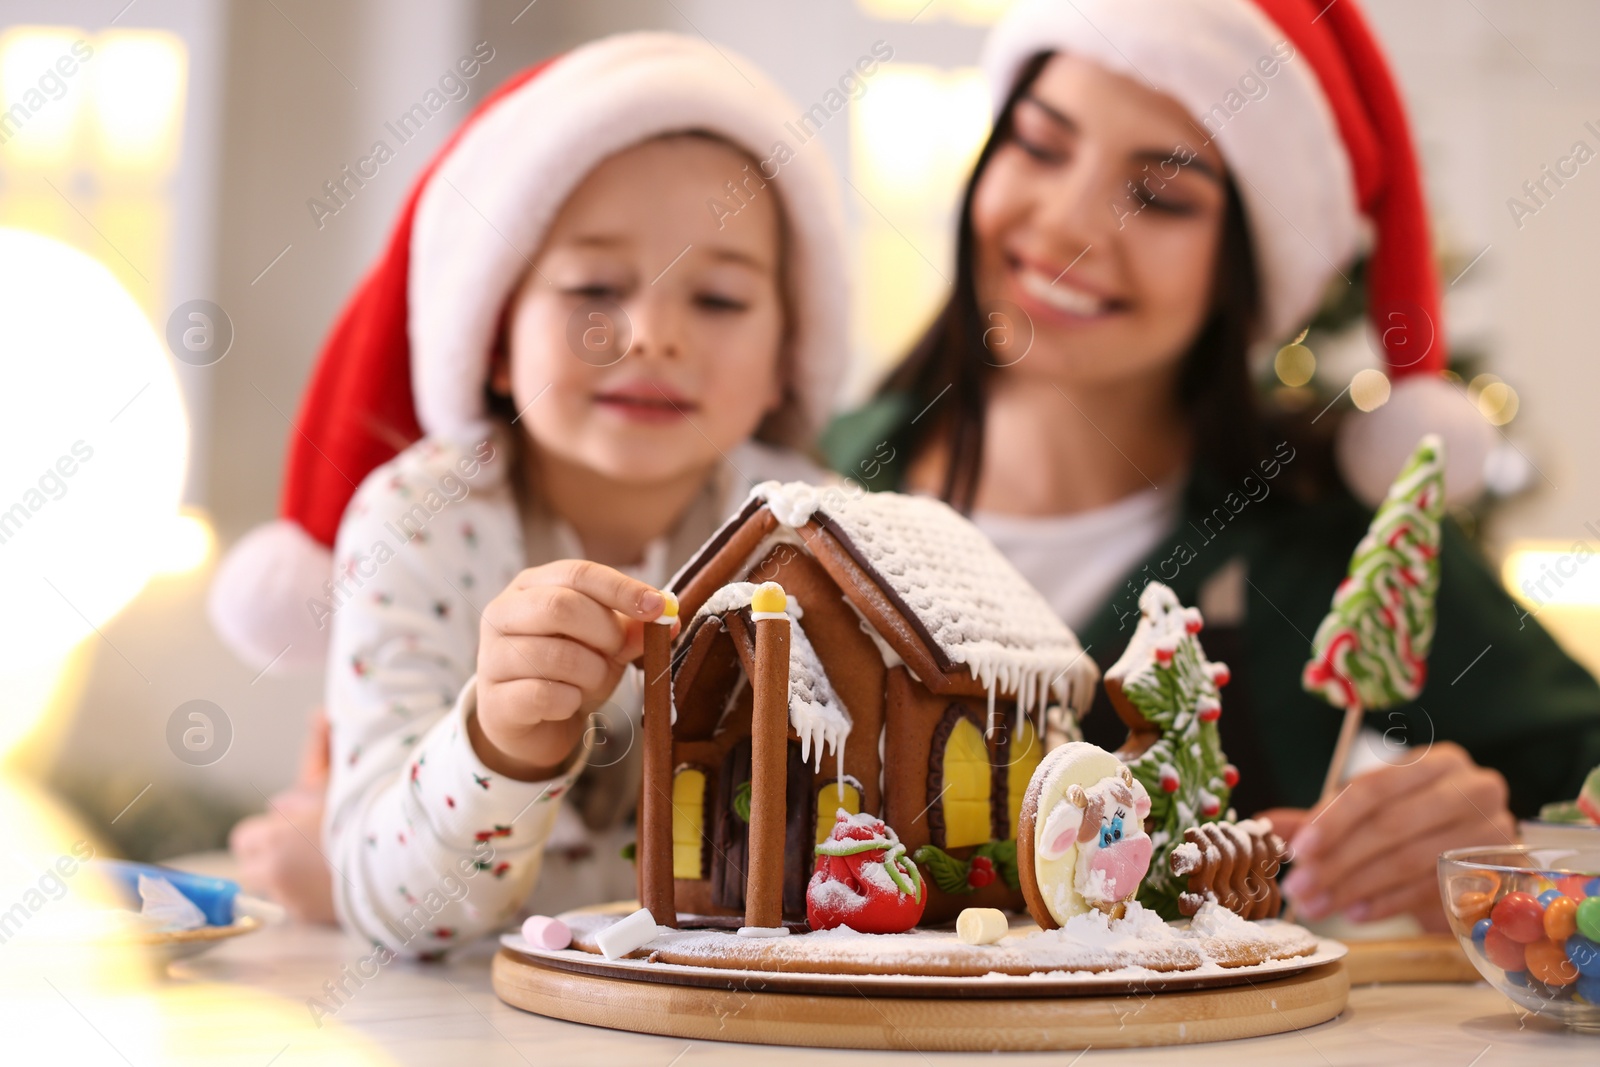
{"type": "Point", "coordinates": [904, 669]}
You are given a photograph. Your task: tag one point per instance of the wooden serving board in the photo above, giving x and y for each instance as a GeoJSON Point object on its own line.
{"type": "Point", "coordinates": [923, 1024]}
{"type": "Point", "coordinates": [1425, 958]}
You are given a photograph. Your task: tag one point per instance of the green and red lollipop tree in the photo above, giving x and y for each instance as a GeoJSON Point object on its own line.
{"type": "Point", "coordinates": [1371, 650]}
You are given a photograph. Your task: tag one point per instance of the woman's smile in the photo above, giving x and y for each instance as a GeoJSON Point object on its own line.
{"type": "Point", "coordinates": [1050, 294]}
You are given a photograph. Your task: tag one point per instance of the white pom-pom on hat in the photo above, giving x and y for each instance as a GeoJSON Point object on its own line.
{"type": "Point", "coordinates": [259, 595]}
{"type": "Point", "coordinates": [1372, 447]}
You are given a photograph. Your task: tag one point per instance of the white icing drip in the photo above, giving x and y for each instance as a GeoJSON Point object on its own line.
{"type": "Point", "coordinates": [883, 732]}
{"type": "Point", "coordinates": [1009, 675]}
{"type": "Point", "coordinates": [815, 710]}
{"type": "Point", "coordinates": [891, 658]}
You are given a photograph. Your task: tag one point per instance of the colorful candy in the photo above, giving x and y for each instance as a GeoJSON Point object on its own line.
{"type": "Point", "coordinates": [1589, 918]}
{"type": "Point", "coordinates": [1549, 964]}
{"type": "Point", "coordinates": [1584, 954]}
{"type": "Point", "coordinates": [544, 932]}
{"type": "Point", "coordinates": [1561, 918]}
{"type": "Point", "coordinates": [1503, 952]}
{"type": "Point", "coordinates": [1571, 885]}
{"type": "Point", "coordinates": [1549, 895]}
{"type": "Point", "coordinates": [1520, 917]}
{"type": "Point", "coordinates": [1480, 930]}
{"type": "Point", "coordinates": [1588, 989]}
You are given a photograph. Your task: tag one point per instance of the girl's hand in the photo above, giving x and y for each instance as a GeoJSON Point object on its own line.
{"type": "Point", "coordinates": [279, 852]}
{"type": "Point", "coordinates": [1372, 850]}
{"type": "Point", "coordinates": [279, 857]}
{"type": "Point", "coordinates": [551, 648]}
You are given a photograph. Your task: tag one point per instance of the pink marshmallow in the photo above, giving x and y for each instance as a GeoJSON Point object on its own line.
{"type": "Point", "coordinates": [541, 931]}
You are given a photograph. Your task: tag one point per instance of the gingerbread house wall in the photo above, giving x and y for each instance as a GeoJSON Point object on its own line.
{"type": "Point", "coordinates": [917, 723]}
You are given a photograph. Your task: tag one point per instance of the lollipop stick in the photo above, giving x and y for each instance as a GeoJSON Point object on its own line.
{"type": "Point", "coordinates": [1341, 751]}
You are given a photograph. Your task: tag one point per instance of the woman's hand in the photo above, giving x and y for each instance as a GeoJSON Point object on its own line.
{"type": "Point", "coordinates": [279, 852]}
{"type": "Point", "coordinates": [551, 648]}
{"type": "Point", "coordinates": [1372, 850]}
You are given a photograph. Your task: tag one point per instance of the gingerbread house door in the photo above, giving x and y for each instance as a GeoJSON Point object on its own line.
{"type": "Point", "coordinates": [731, 833]}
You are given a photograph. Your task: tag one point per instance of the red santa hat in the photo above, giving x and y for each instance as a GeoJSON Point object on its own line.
{"type": "Point", "coordinates": [409, 354]}
{"type": "Point", "coordinates": [1302, 105]}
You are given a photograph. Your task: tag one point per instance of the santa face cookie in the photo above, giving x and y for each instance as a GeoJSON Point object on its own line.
{"type": "Point", "coordinates": [1081, 843]}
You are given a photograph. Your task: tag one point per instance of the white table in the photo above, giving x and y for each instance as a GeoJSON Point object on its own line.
{"type": "Point", "coordinates": [245, 1002]}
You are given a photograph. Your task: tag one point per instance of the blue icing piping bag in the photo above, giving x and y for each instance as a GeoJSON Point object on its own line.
{"type": "Point", "coordinates": [218, 899]}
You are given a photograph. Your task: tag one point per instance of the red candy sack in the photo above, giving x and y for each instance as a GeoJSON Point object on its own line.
{"type": "Point", "coordinates": [864, 880]}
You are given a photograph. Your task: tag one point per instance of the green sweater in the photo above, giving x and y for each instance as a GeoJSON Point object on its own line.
{"type": "Point", "coordinates": [1498, 684]}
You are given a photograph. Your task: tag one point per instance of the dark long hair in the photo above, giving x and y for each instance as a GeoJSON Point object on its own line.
{"type": "Point", "coordinates": [1214, 387]}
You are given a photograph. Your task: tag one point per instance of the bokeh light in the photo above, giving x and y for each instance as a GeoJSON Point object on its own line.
{"type": "Point", "coordinates": [1369, 389]}
{"type": "Point", "coordinates": [97, 445]}
{"type": "Point", "coordinates": [1295, 365]}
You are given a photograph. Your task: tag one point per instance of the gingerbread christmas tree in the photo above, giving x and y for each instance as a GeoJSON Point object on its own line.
{"type": "Point", "coordinates": [1166, 690]}
{"type": "Point", "coordinates": [1371, 650]}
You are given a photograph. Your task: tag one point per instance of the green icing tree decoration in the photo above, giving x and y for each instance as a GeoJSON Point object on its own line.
{"type": "Point", "coordinates": [1371, 650]}
{"type": "Point", "coordinates": [1166, 691]}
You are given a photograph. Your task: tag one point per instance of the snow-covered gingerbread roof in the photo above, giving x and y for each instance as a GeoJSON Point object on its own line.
{"type": "Point", "coordinates": [964, 600]}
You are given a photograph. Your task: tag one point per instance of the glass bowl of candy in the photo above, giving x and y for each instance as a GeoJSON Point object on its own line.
{"type": "Point", "coordinates": [1529, 919]}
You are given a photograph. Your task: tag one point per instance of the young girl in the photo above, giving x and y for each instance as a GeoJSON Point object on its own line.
{"type": "Point", "coordinates": [603, 365]}
{"type": "Point", "coordinates": [1165, 184]}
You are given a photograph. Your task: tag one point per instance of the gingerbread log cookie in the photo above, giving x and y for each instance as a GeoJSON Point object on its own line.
{"type": "Point", "coordinates": [1081, 844]}
{"type": "Point", "coordinates": [1234, 864]}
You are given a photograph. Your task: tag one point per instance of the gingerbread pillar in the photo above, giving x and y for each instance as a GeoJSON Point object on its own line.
{"type": "Point", "coordinates": [654, 851]}
{"type": "Point", "coordinates": [769, 759]}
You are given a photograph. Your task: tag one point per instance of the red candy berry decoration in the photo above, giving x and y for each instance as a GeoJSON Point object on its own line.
{"type": "Point", "coordinates": [1169, 780]}
{"type": "Point", "coordinates": [981, 873]}
{"type": "Point", "coordinates": [1164, 656]}
{"type": "Point", "coordinates": [1520, 917]}
{"type": "Point", "coordinates": [1220, 675]}
{"type": "Point", "coordinates": [865, 880]}
{"type": "Point", "coordinates": [1209, 709]}
{"type": "Point", "coordinates": [1230, 776]}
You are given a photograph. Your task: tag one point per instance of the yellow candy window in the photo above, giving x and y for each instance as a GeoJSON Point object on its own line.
{"type": "Point", "coordinates": [830, 798]}
{"type": "Point", "coordinates": [688, 822]}
{"type": "Point", "coordinates": [967, 782]}
{"type": "Point", "coordinates": [1026, 752]}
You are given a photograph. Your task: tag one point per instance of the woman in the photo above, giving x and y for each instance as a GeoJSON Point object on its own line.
{"type": "Point", "coordinates": [1166, 184]}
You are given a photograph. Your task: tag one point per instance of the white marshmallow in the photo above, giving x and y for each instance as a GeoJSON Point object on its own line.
{"type": "Point", "coordinates": [628, 933]}
{"type": "Point", "coordinates": [981, 926]}
{"type": "Point", "coordinates": [541, 931]}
